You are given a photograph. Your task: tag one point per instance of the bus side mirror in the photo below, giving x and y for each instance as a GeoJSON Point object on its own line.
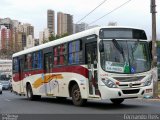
{"type": "Point", "coordinates": [101, 46]}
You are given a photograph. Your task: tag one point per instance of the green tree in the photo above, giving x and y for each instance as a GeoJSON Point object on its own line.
{"type": "Point", "coordinates": [158, 43]}
{"type": "Point", "coordinates": [64, 35]}
{"type": "Point", "coordinates": [52, 37]}
{"type": "Point", "coordinates": [57, 36]}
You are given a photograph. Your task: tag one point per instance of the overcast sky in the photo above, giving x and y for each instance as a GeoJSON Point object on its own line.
{"type": "Point", "coordinates": [136, 13]}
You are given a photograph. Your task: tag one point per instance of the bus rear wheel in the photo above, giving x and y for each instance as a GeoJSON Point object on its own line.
{"type": "Point", "coordinates": [117, 101]}
{"type": "Point", "coordinates": [30, 95]}
{"type": "Point", "coordinates": [29, 92]}
{"type": "Point", "coordinates": [76, 96]}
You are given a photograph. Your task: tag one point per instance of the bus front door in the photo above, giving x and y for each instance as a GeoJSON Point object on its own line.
{"type": "Point", "coordinates": [47, 73]}
{"type": "Point", "coordinates": [91, 59]}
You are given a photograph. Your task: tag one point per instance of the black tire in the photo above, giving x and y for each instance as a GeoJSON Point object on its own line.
{"type": "Point", "coordinates": [37, 97]}
{"type": "Point", "coordinates": [76, 96]}
{"type": "Point", "coordinates": [30, 95]}
{"type": "Point", "coordinates": [61, 98]}
{"type": "Point", "coordinates": [117, 101]}
{"type": "Point", "coordinates": [30, 92]}
{"type": "Point", "coordinates": [1, 92]}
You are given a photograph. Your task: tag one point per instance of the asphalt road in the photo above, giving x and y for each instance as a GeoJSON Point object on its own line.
{"type": "Point", "coordinates": [14, 104]}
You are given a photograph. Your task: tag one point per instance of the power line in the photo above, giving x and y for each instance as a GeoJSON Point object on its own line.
{"type": "Point", "coordinates": [111, 11]}
{"type": "Point", "coordinates": [91, 11]}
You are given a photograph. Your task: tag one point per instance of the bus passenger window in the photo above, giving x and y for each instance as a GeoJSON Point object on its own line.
{"type": "Point", "coordinates": [29, 61]}
{"type": "Point", "coordinates": [37, 60]}
{"type": "Point", "coordinates": [60, 55]}
{"type": "Point", "coordinates": [56, 56]}
{"type": "Point", "coordinates": [40, 59]}
{"type": "Point", "coordinates": [15, 65]}
{"type": "Point", "coordinates": [75, 52]}
{"type": "Point", "coordinates": [25, 63]}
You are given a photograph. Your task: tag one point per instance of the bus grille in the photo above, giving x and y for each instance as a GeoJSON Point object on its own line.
{"type": "Point", "coordinates": [129, 79]}
{"type": "Point", "coordinates": [133, 85]}
{"type": "Point", "coordinates": [133, 91]}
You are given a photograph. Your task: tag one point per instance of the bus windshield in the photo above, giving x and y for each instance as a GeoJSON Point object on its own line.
{"type": "Point", "coordinates": [127, 57]}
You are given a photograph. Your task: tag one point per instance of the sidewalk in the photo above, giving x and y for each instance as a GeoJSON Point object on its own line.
{"type": "Point", "coordinates": [155, 99]}
{"type": "Point", "coordinates": [152, 99]}
{"type": "Point", "coordinates": [158, 98]}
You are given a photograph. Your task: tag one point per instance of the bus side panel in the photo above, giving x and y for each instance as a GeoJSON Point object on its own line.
{"type": "Point", "coordinates": [16, 83]}
{"type": "Point", "coordinates": [67, 78]}
{"type": "Point", "coordinates": [36, 82]}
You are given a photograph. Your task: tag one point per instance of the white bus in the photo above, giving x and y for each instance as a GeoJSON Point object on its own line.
{"type": "Point", "coordinates": [101, 63]}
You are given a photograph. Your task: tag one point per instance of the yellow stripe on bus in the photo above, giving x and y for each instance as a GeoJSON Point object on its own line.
{"type": "Point", "coordinates": [47, 78]}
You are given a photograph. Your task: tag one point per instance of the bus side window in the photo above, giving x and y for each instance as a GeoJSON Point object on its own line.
{"type": "Point", "coordinates": [91, 54]}
{"type": "Point", "coordinates": [29, 61]}
{"type": "Point", "coordinates": [40, 59]}
{"type": "Point", "coordinates": [75, 52]}
{"type": "Point", "coordinates": [55, 51]}
{"type": "Point", "coordinates": [25, 63]}
{"type": "Point", "coordinates": [95, 59]}
{"type": "Point", "coordinates": [15, 65]}
{"type": "Point", "coordinates": [37, 60]}
{"type": "Point", "coordinates": [89, 59]}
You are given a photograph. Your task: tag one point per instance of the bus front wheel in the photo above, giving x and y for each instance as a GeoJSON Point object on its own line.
{"type": "Point", "coordinates": [76, 96]}
{"type": "Point", "coordinates": [117, 101]}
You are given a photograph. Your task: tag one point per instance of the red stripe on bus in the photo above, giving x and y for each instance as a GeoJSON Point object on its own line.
{"type": "Point", "coordinates": [70, 69]}
{"type": "Point", "coordinates": [73, 69]}
{"type": "Point", "coordinates": [17, 77]}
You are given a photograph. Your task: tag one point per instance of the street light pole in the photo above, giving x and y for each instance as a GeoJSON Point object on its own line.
{"type": "Point", "coordinates": [154, 47]}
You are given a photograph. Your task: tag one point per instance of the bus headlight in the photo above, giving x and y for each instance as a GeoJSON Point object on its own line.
{"type": "Point", "coordinates": [109, 83]}
{"type": "Point", "coordinates": [148, 81]}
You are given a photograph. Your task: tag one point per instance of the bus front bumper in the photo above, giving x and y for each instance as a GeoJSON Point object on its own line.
{"type": "Point", "coordinates": [126, 93]}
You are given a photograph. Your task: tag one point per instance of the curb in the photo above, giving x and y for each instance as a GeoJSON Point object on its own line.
{"type": "Point", "coordinates": [154, 99]}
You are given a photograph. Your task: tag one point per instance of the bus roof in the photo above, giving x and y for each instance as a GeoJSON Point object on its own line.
{"type": "Point", "coordinates": [67, 39]}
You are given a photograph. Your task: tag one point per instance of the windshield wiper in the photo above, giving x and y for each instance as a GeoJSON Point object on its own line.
{"type": "Point", "coordinates": [135, 46]}
{"type": "Point", "coordinates": [118, 47]}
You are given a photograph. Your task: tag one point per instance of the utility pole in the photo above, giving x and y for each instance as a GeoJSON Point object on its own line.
{"type": "Point", "coordinates": [154, 47]}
